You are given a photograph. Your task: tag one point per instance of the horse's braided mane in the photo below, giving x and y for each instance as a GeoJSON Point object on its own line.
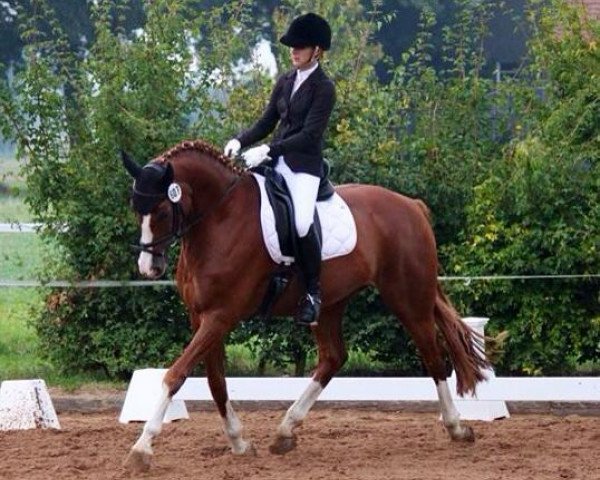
{"type": "Point", "coordinates": [202, 147]}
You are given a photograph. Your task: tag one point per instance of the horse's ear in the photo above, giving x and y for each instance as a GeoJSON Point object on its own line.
{"type": "Point", "coordinates": [169, 175]}
{"type": "Point", "coordinates": [133, 168]}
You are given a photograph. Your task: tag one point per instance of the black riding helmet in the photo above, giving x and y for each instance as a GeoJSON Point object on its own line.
{"type": "Point", "coordinates": [308, 30]}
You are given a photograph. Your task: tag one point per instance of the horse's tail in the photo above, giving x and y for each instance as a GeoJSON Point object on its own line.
{"type": "Point", "coordinates": [464, 346]}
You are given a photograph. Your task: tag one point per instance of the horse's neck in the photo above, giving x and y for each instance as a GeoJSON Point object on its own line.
{"type": "Point", "coordinates": [208, 180]}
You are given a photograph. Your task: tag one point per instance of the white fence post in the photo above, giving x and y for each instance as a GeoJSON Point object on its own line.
{"type": "Point", "coordinates": [143, 393]}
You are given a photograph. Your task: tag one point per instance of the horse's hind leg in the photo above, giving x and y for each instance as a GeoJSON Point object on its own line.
{"type": "Point", "coordinates": [417, 316]}
{"type": "Point", "coordinates": [332, 356]}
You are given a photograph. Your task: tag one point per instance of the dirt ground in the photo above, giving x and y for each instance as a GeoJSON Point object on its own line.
{"type": "Point", "coordinates": [333, 444]}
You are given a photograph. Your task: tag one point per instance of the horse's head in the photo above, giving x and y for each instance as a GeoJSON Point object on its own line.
{"type": "Point", "coordinates": [156, 199]}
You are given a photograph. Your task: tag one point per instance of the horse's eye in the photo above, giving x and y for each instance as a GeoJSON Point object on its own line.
{"type": "Point", "coordinates": [161, 215]}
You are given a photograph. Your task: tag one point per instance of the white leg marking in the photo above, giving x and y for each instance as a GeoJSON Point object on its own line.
{"type": "Point", "coordinates": [233, 429]}
{"type": "Point", "coordinates": [300, 408]}
{"type": "Point", "coordinates": [450, 415]}
{"type": "Point", "coordinates": [145, 259]}
{"type": "Point", "coordinates": [153, 426]}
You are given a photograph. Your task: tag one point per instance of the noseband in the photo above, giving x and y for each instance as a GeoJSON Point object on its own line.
{"type": "Point", "coordinates": [178, 228]}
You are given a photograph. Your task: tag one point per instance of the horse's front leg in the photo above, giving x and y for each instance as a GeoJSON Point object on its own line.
{"type": "Point", "coordinates": [209, 335]}
{"type": "Point", "coordinates": [332, 356]}
{"type": "Point", "coordinates": [232, 426]}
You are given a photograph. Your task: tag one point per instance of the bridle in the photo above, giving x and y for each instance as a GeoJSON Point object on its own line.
{"type": "Point", "coordinates": [178, 226]}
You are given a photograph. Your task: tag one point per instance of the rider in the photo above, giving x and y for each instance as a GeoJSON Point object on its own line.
{"type": "Point", "coordinates": [301, 101]}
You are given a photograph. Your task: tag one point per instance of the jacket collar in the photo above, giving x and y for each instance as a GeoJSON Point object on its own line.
{"type": "Point", "coordinates": [290, 76]}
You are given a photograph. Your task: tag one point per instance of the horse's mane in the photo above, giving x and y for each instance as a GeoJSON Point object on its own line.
{"type": "Point", "coordinates": [202, 147]}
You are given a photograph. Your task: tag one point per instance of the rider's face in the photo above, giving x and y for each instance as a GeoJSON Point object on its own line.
{"type": "Point", "coordinates": [302, 57]}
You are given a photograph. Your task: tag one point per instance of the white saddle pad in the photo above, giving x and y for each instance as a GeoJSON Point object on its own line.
{"type": "Point", "coordinates": [337, 225]}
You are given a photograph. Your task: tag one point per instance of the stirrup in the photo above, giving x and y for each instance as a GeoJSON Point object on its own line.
{"type": "Point", "coordinates": [308, 311]}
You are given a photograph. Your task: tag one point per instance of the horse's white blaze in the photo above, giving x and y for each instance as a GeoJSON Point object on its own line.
{"type": "Point", "coordinates": [300, 408]}
{"type": "Point", "coordinates": [153, 426]}
{"type": "Point", "coordinates": [450, 414]}
{"type": "Point", "coordinates": [233, 429]}
{"type": "Point", "coordinates": [145, 259]}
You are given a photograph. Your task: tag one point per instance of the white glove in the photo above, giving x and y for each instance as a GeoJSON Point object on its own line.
{"type": "Point", "coordinates": [256, 155]}
{"type": "Point", "coordinates": [232, 148]}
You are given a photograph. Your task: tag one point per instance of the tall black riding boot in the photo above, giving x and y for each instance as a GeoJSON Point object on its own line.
{"type": "Point", "coordinates": [309, 262]}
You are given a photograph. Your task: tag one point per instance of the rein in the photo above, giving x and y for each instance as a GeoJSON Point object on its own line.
{"type": "Point", "coordinates": [178, 230]}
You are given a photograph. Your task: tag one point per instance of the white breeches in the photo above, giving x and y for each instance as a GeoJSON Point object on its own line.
{"type": "Point", "coordinates": [304, 189]}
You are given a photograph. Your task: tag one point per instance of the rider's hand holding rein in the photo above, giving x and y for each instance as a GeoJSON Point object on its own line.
{"type": "Point", "coordinates": [256, 155]}
{"type": "Point", "coordinates": [233, 147]}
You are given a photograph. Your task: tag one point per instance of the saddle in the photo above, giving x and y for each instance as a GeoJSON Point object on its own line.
{"type": "Point", "coordinates": [283, 209]}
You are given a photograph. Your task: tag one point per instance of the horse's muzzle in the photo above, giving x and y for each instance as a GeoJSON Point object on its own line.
{"type": "Point", "coordinates": [152, 264]}
{"type": "Point", "coordinates": [159, 265]}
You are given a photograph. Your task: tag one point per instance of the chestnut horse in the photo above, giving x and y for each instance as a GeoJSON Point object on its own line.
{"type": "Point", "coordinates": [195, 194]}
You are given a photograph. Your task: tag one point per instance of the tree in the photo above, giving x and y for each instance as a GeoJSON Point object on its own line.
{"type": "Point", "coordinates": [538, 213]}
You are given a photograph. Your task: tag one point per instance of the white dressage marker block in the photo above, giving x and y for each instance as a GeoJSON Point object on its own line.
{"type": "Point", "coordinates": [470, 407]}
{"type": "Point", "coordinates": [142, 394]}
{"type": "Point", "coordinates": [26, 404]}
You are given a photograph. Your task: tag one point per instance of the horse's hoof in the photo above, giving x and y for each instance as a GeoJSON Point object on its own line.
{"type": "Point", "coordinates": [248, 450]}
{"type": "Point", "coordinates": [283, 445]}
{"type": "Point", "coordinates": [467, 435]}
{"type": "Point", "coordinates": [137, 461]}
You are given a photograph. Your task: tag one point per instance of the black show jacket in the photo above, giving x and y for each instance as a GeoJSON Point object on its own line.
{"type": "Point", "coordinates": [302, 121]}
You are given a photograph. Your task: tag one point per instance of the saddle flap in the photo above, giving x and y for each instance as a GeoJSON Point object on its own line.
{"type": "Point", "coordinates": [283, 209]}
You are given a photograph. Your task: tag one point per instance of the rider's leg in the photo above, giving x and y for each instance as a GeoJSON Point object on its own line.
{"type": "Point", "coordinates": [304, 189]}
{"type": "Point", "coordinates": [310, 263]}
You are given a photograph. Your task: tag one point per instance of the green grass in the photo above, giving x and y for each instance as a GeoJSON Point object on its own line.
{"type": "Point", "coordinates": [12, 185]}
{"type": "Point", "coordinates": [20, 258]}
{"type": "Point", "coordinates": [10, 171]}
{"type": "Point", "coordinates": [19, 356]}
{"type": "Point", "coordinates": [13, 209]}
{"type": "Point", "coordinates": [20, 255]}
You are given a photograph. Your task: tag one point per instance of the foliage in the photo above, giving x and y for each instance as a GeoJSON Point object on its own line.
{"type": "Point", "coordinates": [539, 211]}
